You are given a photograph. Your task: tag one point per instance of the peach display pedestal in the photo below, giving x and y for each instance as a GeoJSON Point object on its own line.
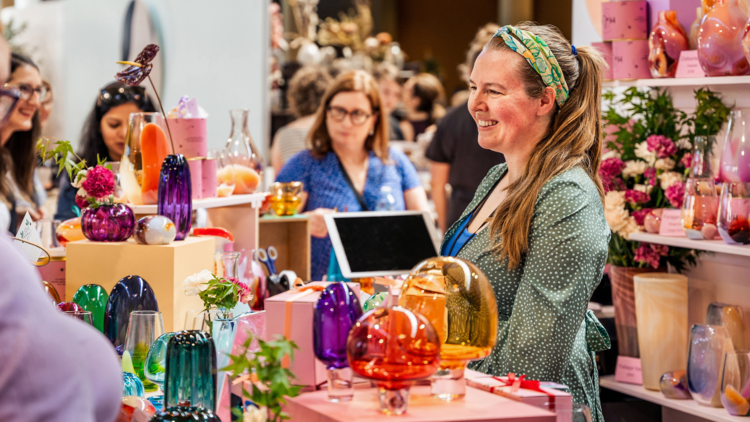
{"type": "Point", "coordinates": [163, 267]}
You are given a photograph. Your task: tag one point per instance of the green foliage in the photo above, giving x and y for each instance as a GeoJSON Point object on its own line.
{"type": "Point", "coordinates": [63, 155]}
{"type": "Point", "coordinates": [221, 293]}
{"type": "Point", "coordinates": [710, 115]}
{"type": "Point", "coordinates": [273, 383]}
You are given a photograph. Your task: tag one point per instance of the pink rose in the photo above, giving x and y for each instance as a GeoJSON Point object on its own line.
{"type": "Point", "coordinates": [640, 215]}
{"type": "Point", "coordinates": [675, 194]}
{"type": "Point", "coordinates": [636, 197]}
{"type": "Point", "coordinates": [242, 289]}
{"type": "Point", "coordinates": [81, 202]}
{"type": "Point", "coordinates": [99, 183]}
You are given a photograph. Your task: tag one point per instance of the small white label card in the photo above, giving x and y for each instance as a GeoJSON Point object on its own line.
{"type": "Point", "coordinates": [27, 231]}
{"type": "Point", "coordinates": [671, 223]}
{"type": "Point", "coordinates": [628, 370]}
{"type": "Point", "coordinates": [688, 66]}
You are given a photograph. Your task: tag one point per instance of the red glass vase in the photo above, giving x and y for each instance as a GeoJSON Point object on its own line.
{"type": "Point", "coordinates": [667, 40]}
{"type": "Point", "coordinates": [720, 40]}
{"type": "Point", "coordinates": [108, 223]}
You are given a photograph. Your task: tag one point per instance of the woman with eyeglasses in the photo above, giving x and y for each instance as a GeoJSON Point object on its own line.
{"type": "Point", "coordinates": [104, 133]}
{"type": "Point", "coordinates": [18, 141]}
{"type": "Point", "coordinates": [350, 161]}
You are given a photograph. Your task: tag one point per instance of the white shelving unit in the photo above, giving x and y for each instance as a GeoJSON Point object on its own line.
{"type": "Point", "coordinates": [681, 82]}
{"type": "Point", "coordinates": [686, 406]}
{"type": "Point", "coordinates": [254, 199]}
{"type": "Point", "coordinates": [683, 242]}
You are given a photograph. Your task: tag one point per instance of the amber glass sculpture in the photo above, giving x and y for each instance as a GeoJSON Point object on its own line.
{"type": "Point", "coordinates": [393, 346]}
{"type": "Point", "coordinates": [459, 301]}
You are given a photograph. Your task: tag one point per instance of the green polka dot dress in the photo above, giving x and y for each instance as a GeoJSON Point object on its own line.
{"type": "Point", "coordinates": [544, 329]}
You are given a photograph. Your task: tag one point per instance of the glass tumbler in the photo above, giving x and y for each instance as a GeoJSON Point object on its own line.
{"type": "Point", "coordinates": [143, 330]}
{"type": "Point", "coordinates": [699, 209]}
{"type": "Point", "coordinates": [708, 344]}
{"type": "Point", "coordinates": [734, 211]}
{"type": "Point", "coordinates": [154, 368]}
{"type": "Point", "coordinates": [84, 316]}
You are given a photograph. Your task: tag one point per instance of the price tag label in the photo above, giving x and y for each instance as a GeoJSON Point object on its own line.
{"type": "Point", "coordinates": [629, 370]}
{"type": "Point", "coordinates": [689, 66]}
{"type": "Point", "coordinates": [671, 223]}
{"type": "Point", "coordinates": [27, 231]}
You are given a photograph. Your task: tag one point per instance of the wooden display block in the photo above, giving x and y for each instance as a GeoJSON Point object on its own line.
{"type": "Point", "coordinates": [291, 237]}
{"type": "Point", "coordinates": [163, 267]}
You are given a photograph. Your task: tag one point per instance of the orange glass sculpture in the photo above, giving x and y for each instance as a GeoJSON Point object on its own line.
{"type": "Point", "coordinates": [51, 292]}
{"type": "Point", "coordinates": [393, 347]}
{"type": "Point", "coordinates": [69, 231]}
{"type": "Point", "coordinates": [667, 40]}
{"type": "Point", "coordinates": [146, 148]}
{"type": "Point", "coordinates": [457, 298]}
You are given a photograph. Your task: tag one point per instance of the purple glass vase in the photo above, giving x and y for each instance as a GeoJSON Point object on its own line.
{"type": "Point", "coordinates": [108, 223]}
{"type": "Point", "coordinates": [336, 313]}
{"type": "Point", "coordinates": [175, 194]}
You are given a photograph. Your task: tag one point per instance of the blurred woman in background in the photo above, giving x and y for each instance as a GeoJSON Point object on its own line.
{"type": "Point", "coordinates": [350, 162]}
{"type": "Point", "coordinates": [18, 140]}
{"type": "Point", "coordinates": [422, 97]}
{"type": "Point", "coordinates": [386, 75]}
{"type": "Point", "coordinates": [306, 90]}
{"type": "Point", "coordinates": [104, 133]}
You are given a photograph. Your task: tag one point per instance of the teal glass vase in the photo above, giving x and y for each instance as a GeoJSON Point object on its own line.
{"type": "Point", "coordinates": [190, 376]}
{"type": "Point", "coordinates": [334, 270]}
{"type": "Point", "coordinates": [93, 298]}
{"type": "Point", "coordinates": [185, 414]}
{"type": "Point", "coordinates": [132, 385]}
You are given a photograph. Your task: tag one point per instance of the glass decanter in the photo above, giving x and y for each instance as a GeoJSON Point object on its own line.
{"type": "Point", "coordinates": [245, 156]}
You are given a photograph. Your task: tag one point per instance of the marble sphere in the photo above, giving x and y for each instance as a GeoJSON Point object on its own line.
{"type": "Point", "coordinates": [155, 230]}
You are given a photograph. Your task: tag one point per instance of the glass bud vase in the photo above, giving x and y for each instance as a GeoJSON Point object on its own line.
{"type": "Point", "coordinates": [245, 156]}
{"type": "Point", "coordinates": [708, 344]}
{"type": "Point", "coordinates": [734, 211]}
{"type": "Point", "coordinates": [146, 147]}
{"type": "Point", "coordinates": [108, 223]}
{"type": "Point", "coordinates": [457, 298]}
{"type": "Point", "coordinates": [393, 347]}
{"type": "Point", "coordinates": [175, 194]}
{"type": "Point", "coordinates": [190, 375]}
{"type": "Point", "coordinates": [667, 40]}
{"type": "Point", "coordinates": [336, 312]}
{"type": "Point", "coordinates": [720, 40]}
{"type": "Point", "coordinates": [735, 159]}
{"type": "Point", "coordinates": [735, 383]}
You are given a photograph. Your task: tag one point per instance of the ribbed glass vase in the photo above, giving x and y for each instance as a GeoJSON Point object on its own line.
{"type": "Point", "coordinates": [175, 194]}
{"type": "Point", "coordinates": [190, 377]}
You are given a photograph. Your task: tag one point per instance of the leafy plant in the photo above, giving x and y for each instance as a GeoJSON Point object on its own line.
{"type": "Point", "coordinates": [271, 380]}
{"type": "Point", "coordinates": [710, 115]}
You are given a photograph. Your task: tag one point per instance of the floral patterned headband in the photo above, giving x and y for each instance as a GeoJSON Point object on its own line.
{"type": "Point", "coordinates": [539, 56]}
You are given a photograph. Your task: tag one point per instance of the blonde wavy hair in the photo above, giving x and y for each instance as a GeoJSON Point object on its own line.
{"type": "Point", "coordinates": [573, 139]}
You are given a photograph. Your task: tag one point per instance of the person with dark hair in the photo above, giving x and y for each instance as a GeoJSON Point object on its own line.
{"type": "Point", "coordinates": [386, 75]}
{"type": "Point", "coordinates": [422, 97]}
{"type": "Point", "coordinates": [18, 140]}
{"type": "Point", "coordinates": [536, 225]}
{"type": "Point", "coordinates": [306, 89]}
{"type": "Point", "coordinates": [104, 133]}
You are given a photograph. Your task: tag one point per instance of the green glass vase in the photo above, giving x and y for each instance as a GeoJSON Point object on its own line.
{"type": "Point", "coordinates": [185, 414]}
{"type": "Point", "coordinates": [93, 298]}
{"type": "Point", "coordinates": [190, 377]}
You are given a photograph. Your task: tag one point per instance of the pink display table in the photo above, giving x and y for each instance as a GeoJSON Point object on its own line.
{"type": "Point", "coordinates": [476, 406]}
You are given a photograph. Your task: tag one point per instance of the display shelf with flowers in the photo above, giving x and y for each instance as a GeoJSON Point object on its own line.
{"type": "Point", "coordinates": [102, 220]}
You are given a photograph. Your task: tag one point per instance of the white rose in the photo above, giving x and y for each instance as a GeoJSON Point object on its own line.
{"type": "Point", "coordinates": [614, 200]}
{"type": "Point", "coordinates": [634, 168]}
{"type": "Point", "coordinates": [628, 228]}
{"type": "Point", "coordinates": [197, 283]}
{"type": "Point", "coordinates": [641, 151]}
{"type": "Point", "coordinates": [254, 414]}
{"type": "Point", "coordinates": [643, 188]}
{"type": "Point", "coordinates": [684, 144]}
{"type": "Point", "coordinates": [664, 164]}
{"type": "Point", "coordinates": [611, 154]}
{"type": "Point", "coordinates": [80, 178]}
{"type": "Point", "coordinates": [616, 218]}
{"type": "Point", "coordinates": [669, 178]}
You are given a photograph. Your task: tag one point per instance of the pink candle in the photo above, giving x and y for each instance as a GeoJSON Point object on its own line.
{"type": "Point", "coordinates": [208, 180]}
{"type": "Point", "coordinates": [196, 176]}
{"type": "Point", "coordinates": [189, 137]}
{"type": "Point", "coordinates": [624, 20]}
{"type": "Point", "coordinates": [630, 59]}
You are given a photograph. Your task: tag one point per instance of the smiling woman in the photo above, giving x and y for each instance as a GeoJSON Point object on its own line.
{"type": "Point", "coordinates": [536, 225]}
{"type": "Point", "coordinates": [104, 133]}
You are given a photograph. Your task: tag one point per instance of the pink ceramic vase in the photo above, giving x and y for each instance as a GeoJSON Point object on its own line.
{"type": "Point", "coordinates": [667, 40]}
{"type": "Point", "coordinates": [720, 40]}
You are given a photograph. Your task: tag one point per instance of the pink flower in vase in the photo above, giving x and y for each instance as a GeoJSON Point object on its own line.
{"type": "Point", "coordinates": [244, 291]}
{"type": "Point", "coordinates": [636, 197]}
{"type": "Point", "coordinates": [81, 202]}
{"type": "Point", "coordinates": [650, 175]}
{"type": "Point", "coordinates": [99, 183]}
{"type": "Point", "coordinates": [675, 194]}
{"type": "Point", "coordinates": [687, 160]}
{"type": "Point", "coordinates": [640, 215]}
{"type": "Point", "coordinates": [663, 146]}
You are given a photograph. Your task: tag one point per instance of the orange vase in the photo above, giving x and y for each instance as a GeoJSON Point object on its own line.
{"type": "Point", "coordinates": [667, 40]}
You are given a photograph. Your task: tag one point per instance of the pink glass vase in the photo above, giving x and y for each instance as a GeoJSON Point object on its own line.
{"type": "Point", "coordinates": [108, 223]}
{"type": "Point", "coordinates": [667, 40]}
{"type": "Point", "coordinates": [735, 159]}
{"type": "Point", "coordinates": [720, 40]}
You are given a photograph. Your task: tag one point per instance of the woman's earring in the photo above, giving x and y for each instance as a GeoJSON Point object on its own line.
{"type": "Point", "coordinates": [372, 131]}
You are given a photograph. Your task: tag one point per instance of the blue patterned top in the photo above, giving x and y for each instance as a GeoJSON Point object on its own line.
{"type": "Point", "coordinates": [327, 188]}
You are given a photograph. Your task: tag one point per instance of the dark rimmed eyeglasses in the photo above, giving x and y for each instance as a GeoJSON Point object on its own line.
{"type": "Point", "coordinates": [8, 99]}
{"type": "Point", "coordinates": [27, 91]}
{"type": "Point", "coordinates": [357, 116]}
{"type": "Point", "coordinates": [117, 95]}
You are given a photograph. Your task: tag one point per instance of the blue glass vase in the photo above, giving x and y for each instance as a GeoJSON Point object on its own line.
{"type": "Point", "coordinates": [132, 385]}
{"type": "Point", "coordinates": [185, 414]}
{"type": "Point", "coordinates": [175, 194]}
{"type": "Point", "coordinates": [93, 298]}
{"type": "Point", "coordinates": [190, 376]}
{"type": "Point", "coordinates": [132, 293]}
{"type": "Point", "coordinates": [336, 312]}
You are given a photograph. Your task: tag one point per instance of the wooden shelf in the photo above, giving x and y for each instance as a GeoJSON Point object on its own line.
{"type": "Point", "coordinates": [683, 242]}
{"type": "Point", "coordinates": [682, 82]}
{"type": "Point", "coordinates": [254, 199]}
{"type": "Point", "coordinates": [686, 406]}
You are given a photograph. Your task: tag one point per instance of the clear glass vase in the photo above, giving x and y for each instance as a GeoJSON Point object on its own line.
{"type": "Point", "coordinates": [708, 344]}
{"type": "Point", "coordinates": [699, 212]}
{"type": "Point", "coordinates": [734, 209]}
{"type": "Point", "coordinates": [735, 159]}
{"type": "Point", "coordinates": [735, 383]}
{"type": "Point", "coordinates": [245, 156]}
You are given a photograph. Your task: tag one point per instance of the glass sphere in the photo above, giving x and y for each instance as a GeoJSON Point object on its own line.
{"type": "Point", "coordinates": [457, 298]}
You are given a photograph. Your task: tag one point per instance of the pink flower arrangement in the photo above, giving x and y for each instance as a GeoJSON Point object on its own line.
{"type": "Point", "coordinates": [99, 182]}
{"type": "Point", "coordinates": [636, 197]}
{"type": "Point", "coordinates": [661, 145]}
{"type": "Point", "coordinates": [687, 160]}
{"type": "Point", "coordinates": [242, 289]}
{"type": "Point", "coordinates": [610, 171]}
{"type": "Point", "coordinates": [650, 175]}
{"type": "Point", "coordinates": [675, 194]}
{"type": "Point", "coordinates": [640, 215]}
{"type": "Point", "coordinates": [649, 253]}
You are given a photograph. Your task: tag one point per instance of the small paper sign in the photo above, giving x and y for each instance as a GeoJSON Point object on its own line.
{"type": "Point", "coordinates": [671, 223]}
{"type": "Point", "coordinates": [628, 370]}
{"type": "Point", "coordinates": [27, 231]}
{"type": "Point", "coordinates": [688, 66]}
